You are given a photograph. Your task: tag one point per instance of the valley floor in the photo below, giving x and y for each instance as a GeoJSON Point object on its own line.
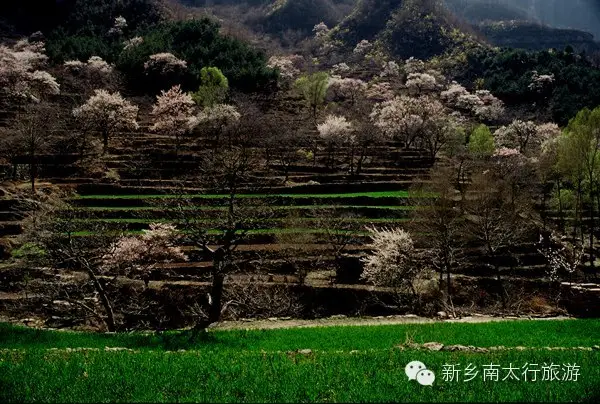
{"type": "Point", "coordinates": [308, 364]}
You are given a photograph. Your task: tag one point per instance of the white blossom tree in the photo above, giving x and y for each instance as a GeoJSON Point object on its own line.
{"type": "Point", "coordinates": [174, 114]}
{"type": "Point", "coordinates": [336, 130]}
{"type": "Point", "coordinates": [98, 65]}
{"type": "Point", "coordinates": [390, 69]}
{"type": "Point", "coordinates": [413, 65]}
{"type": "Point", "coordinates": [320, 30]}
{"type": "Point", "coordinates": [218, 118]}
{"type": "Point", "coordinates": [340, 68]}
{"type": "Point", "coordinates": [418, 83]}
{"type": "Point", "coordinates": [408, 118]}
{"type": "Point", "coordinates": [107, 113]}
{"type": "Point", "coordinates": [350, 89]}
{"type": "Point", "coordinates": [380, 91]}
{"type": "Point", "coordinates": [119, 25]}
{"type": "Point", "coordinates": [392, 261]}
{"type": "Point", "coordinates": [540, 82]}
{"type": "Point", "coordinates": [482, 104]}
{"type": "Point", "coordinates": [288, 66]}
{"type": "Point", "coordinates": [526, 137]}
{"type": "Point", "coordinates": [21, 77]}
{"type": "Point", "coordinates": [132, 43]}
{"type": "Point", "coordinates": [94, 74]}
{"type": "Point", "coordinates": [362, 48]}
{"type": "Point", "coordinates": [164, 64]}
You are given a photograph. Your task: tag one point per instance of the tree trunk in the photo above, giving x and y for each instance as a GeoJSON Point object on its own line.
{"type": "Point", "coordinates": [352, 160]}
{"type": "Point", "coordinates": [104, 142]}
{"type": "Point", "coordinates": [359, 164]}
{"type": "Point", "coordinates": [448, 284]}
{"type": "Point", "coordinates": [216, 293]}
{"type": "Point", "coordinates": [500, 285]}
{"type": "Point", "coordinates": [591, 236]}
{"type": "Point", "coordinates": [32, 174]}
{"type": "Point", "coordinates": [560, 208]}
{"type": "Point", "coordinates": [110, 316]}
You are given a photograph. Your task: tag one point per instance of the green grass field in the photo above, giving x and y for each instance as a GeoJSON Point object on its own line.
{"type": "Point", "coordinates": [346, 364]}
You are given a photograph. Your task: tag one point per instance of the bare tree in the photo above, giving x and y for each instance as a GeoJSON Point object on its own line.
{"type": "Point", "coordinates": [31, 134]}
{"type": "Point", "coordinates": [98, 252]}
{"type": "Point", "coordinates": [496, 221]}
{"type": "Point", "coordinates": [53, 229]}
{"type": "Point", "coordinates": [439, 219]}
{"type": "Point", "coordinates": [340, 232]}
{"type": "Point", "coordinates": [224, 171]}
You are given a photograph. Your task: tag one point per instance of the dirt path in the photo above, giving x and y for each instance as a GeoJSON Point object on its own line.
{"type": "Point", "coordinates": [276, 323]}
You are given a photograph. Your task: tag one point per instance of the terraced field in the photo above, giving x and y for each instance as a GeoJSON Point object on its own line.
{"type": "Point", "coordinates": [316, 208]}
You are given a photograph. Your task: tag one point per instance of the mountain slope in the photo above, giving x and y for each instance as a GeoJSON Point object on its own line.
{"type": "Point", "coordinates": [419, 28]}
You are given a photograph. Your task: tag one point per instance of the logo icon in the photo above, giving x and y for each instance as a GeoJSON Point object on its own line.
{"type": "Point", "coordinates": [416, 370]}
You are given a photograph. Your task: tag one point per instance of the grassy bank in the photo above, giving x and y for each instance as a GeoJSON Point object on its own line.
{"type": "Point", "coordinates": [346, 364]}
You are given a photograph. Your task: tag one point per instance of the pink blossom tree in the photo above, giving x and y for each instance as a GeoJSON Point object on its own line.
{"type": "Point", "coordinates": [107, 113]}
{"type": "Point", "coordinates": [174, 114]}
{"type": "Point", "coordinates": [409, 118]}
{"type": "Point", "coordinates": [141, 254]}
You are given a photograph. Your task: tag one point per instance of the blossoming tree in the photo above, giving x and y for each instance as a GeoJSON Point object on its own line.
{"type": "Point", "coordinates": [392, 261]}
{"type": "Point", "coordinates": [174, 114]}
{"type": "Point", "coordinates": [107, 113]}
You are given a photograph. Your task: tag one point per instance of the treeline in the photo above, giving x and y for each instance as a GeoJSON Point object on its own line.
{"type": "Point", "coordinates": [80, 29]}
{"type": "Point", "coordinates": [507, 73]}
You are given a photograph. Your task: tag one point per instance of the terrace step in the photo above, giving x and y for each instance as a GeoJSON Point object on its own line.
{"type": "Point", "coordinates": [10, 229]}
{"type": "Point", "coordinates": [277, 212]}
{"type": "Point", "coordinates": [11, 216]}
{"type": "Point", "coordinates": [345, 188]}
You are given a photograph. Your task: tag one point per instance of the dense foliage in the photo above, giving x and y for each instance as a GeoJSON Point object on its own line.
{"type": "Point", "coordinates": [200, 44]}
{"type": "Point", "coordinates": [80, 29]}
{"type": "Point", "coordinates": [508, 74]}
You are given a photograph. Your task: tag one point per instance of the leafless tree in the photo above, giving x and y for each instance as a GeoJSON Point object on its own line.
{"type": "Point", "coordinates": [225, 172]}
{"type": "Point", "coordinates": [31, 134]}
{"type": "Point", "coordinates": [437, 216]}
{"type": "Point", "coordinates": [497, 221]}
{"type": "Point", "coordinates": [53, 230]}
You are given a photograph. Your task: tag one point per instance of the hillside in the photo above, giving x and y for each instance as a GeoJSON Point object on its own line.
{"type": "Point", "coordinates": [533, 36]}
{"type": "Point", "coordinates": [297, 15]}
{"type": "Point", "coordinates": [582, 15]}
{"type": "Point", "coordinates": [419, 28]}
